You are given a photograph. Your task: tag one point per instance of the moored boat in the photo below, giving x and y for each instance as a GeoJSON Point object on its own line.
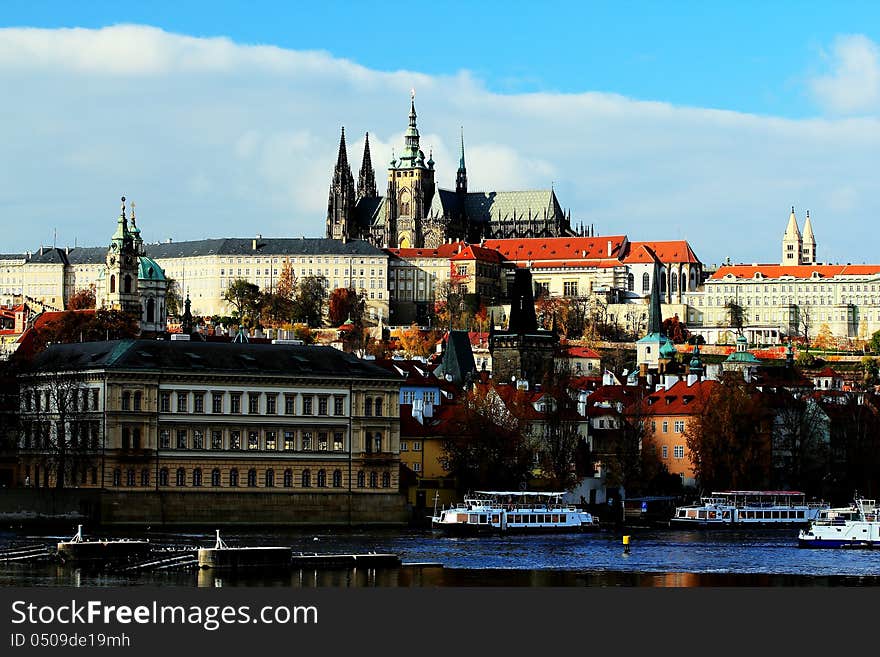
{"type": "Point", "coordinates": [750, 508]}
{"type": "Point", "coordinates": [513, 512]}
{"type": "Point", "coordinates": [854, 526]}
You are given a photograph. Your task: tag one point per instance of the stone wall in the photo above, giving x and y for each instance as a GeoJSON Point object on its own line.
{"type": "Point", "coordinates": [208, 508]}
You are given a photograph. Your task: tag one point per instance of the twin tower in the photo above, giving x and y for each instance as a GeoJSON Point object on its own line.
{"type": "Point", "coordinates": [798, 249]}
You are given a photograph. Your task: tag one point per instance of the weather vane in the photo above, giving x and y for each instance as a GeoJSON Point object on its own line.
{"type": "Point", "coordinates": [412, 93]}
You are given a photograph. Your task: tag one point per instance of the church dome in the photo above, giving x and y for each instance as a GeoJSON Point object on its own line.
{"type": "Point", "coordinates": [668, 350]}
{"type": "Point", "coordinates": [149, 270]}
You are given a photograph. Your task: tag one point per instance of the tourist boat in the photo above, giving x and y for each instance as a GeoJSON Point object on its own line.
{"type": "Point", "coordinates": [513, 512]}
{"type": "Point", "coordinates": [854, 526]}
{"type": "Point", "coordinates": [100, 551]}
{"type": "Point", "coordinates": [748, 508]}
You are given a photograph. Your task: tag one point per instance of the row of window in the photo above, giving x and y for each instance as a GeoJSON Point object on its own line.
{"type": "Point", "coordinates": [677, 427]}
{"type": "Point", "coordinates": [257, 440]}
{"type": "Point", "coordinates": [416, 446]}
{"type": "Point", "coordinates": [61, 398]}
{"type": "Point", "coordinates": [196, 478]}
{"type": "Point", "coordinates": [257, 403]}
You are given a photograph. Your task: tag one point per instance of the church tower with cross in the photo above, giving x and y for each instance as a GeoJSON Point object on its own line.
{"type": "Point", "coordinates": [121, 279]}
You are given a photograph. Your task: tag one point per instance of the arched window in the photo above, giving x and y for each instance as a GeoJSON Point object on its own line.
{"type": "Point", "coordinates": [673, 282]}
{"type": "Point", "coordinates": [337, 479]}
{"type": "Point", "coordinates": [145, 477]}
{"type": "Point", "coordinates": [163, 477]}
{"type": "Point", "coordinates": [233, 478]}
{"type": "Point", "coordinates": [197, 477]}
{"type": "Point", "coordinates": [129, 477]}
{"type": "Point", "coordinates": [112, 283]}
{"type": "Point", "coordinates": [270, 478]}
{"type": "Point", "coordinates": [404, 203]}
{"type": "Point", "coordinates": [288, 478]}
{"type": "Point", "coordinates": [374, 480]}
{"type": "Point", "coordinates": [361, 479]}
{"type": "Point", "coordinates": [117, 475]}
{"type": "Point", "coordinates": [684, 282]}
{"type": "Point", "coordinates": [646, 283]}
{"type": "Point", "coordinates": [377, 442]}
{"type": "Point", "coordinates": [306, 479]}
{"type": "Point", "coordinates": [252, 478]}
{"type": "Point", "coordinates": [215, 477]}
{"type": "Point", "coordinates": [630, 282]}
{"type": "Point", "coordinates": [662, 282]}
{"type": "Point", "coordinates": [322, 479]}
{"type": "Point", "coordinates": [386, 480]}
{"type": "Point", "coordinates": [181, 477]}
{"type": "Point", "coordinates": [127, 284]}
{"type": "Point", "coordinates": [368, 406]}
{"type": "Point", "coordinates": [151, 310]}
{"type": "Point", "coordinates": [378, 407]}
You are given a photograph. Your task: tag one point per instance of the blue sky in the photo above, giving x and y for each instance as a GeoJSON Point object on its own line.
{"type": "Point", "coordinates": [658, 120]}
{"type": "Point", "coordinates": [746, 56]}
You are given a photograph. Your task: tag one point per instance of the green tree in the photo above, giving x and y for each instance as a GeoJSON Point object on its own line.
{"type": "Point", "coordinates": [874, 342]}
{"type": "Point", "coordinates": [309, 300]}
{"type": "Point", "coordinates": [173, 298]}
{"type": "Point", "coordinates": [246, 299]}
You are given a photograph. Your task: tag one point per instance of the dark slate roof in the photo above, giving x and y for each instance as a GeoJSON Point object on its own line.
{"type": "Point", "coordinates": [87, 255]}
{"type": "Point", "coordinates": [458, 358]}
{"type": "Point", "coordinates": [370, 211]}
{"type": "Point", "coordinates": [265, 246]}
{"type": "Point", "coordinates": [490, 206]}
{"type": "Point", "coordinates": [445, 203]}
{"type": "Point", "coordinates": [210, 358]}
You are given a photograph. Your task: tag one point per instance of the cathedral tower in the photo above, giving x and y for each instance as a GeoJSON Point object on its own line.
{"type": "Point", "coordinates": [366, 187]}
{"type": "Point", "coordinates": [340, 205]}
{"type": "Point", "coordinates": [808, 244]}
{"type": "Point", "coordinates": [410, 190]}
{"type": "Point", "coordinates": [792, 242]}
{"type": "Point", "coordinates": [121, 279]}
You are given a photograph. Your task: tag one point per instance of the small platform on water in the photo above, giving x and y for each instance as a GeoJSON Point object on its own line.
{"type": "Point", "coordinates": [78, 550]}
{"type": "Point", "coordinates": [225, 557]}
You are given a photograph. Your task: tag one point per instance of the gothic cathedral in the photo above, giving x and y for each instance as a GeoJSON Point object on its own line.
{"type": "Point", "coordinates": [415, 213]}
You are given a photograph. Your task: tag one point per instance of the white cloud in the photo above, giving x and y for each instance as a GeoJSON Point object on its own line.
{"type": "Point", "coordinates": [853, 85]}
{"type": "Point", "coordinates": [213, 138]}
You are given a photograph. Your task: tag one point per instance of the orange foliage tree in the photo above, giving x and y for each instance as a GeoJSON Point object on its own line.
{"type": "Point", "coordinates": [416, 342]}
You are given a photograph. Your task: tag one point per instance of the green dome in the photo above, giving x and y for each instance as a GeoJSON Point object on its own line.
{"type": "Point", "coordinates": [149, 270]}
{"type": "Point", "coordinates": [668, 350]}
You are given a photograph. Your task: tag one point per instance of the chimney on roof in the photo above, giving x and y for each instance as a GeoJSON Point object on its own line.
{"type": "Point", "coordinates": [41, 249]}
{"type": "Point", "coordinates": [609, 248]}
{"type": "Point", "coordinates": [168, 241]}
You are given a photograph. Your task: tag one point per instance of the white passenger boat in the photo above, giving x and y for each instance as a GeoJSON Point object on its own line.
{"type": "Point", "coordinates": [749, 507]}
{"type": "Point", "coordinates": [513, 512]}
{"type": "Point", "coordinates": [854, 526]}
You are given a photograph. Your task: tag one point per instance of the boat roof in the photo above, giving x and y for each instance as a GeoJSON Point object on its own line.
{"type": "Point", "coordinates": [758, 492]}
{"type": "Point", "coordinates": [518, 493]}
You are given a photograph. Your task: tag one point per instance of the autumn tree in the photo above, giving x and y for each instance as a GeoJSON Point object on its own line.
{"type": "Point", "coordinates": [275, 309]}
{"type": "Point", "coordinates": [824, 339]}
{"type": "Point", "coordinates": [418, 343]}
{"type": "Point", "coordinates": [84, 326]}
{"type": "Point", "coordinates": [83, 299]}
{"type": "Point", "coordinates": [286, 285]}
{"type": "Point", "coordinates": [675, 330]}
{"type": "Point", "coordinates": [309, 300]}
{"type": "Point", "coordinates": [486, 446]}
{"type": "Point", "coordinates": [727, 438]}
{"type": "Point", "coordinates": [805, 322]}
{"type": "Point", "coordinates": [346, 303]}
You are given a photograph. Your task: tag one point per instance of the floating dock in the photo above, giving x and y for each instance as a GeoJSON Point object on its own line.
{"type": "Point", "coordinates": [369, 560]}
{"type": "Point", "coordinates": [77, 550]}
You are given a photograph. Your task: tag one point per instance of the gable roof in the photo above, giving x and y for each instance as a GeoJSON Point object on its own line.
{"type": "Point", "coordinates": [671, 251]}
{"type": "Point", "coordinates": [559, 248]}
{"type": "Point", "coordinates": [680, 399]}
{"type": "Point", "coordinates": [795, 271]}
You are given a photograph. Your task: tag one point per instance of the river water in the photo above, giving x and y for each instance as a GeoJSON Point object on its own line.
{"type": "Point", "coordinates": [657, 558]}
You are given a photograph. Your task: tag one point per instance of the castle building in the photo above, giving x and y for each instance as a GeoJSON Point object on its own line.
{"type": "Point", "coordinates": [414, 213]}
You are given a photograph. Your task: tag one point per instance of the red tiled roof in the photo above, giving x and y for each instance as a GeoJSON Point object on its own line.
{"type": "Point", "coordinates": [441, 423]}
{"type": "Point", "coordinates": [558, 248]}
{"type": "Point", "coordinates": [827, 372]}
{"type": "Point", "coordinates": [680, 399]}
{"type": "Point", "coordinates": [581, 352]}
{"type": "Point", "coordinates": [452, 251]}
{"type": "Point", "coordinates": [796, 271]}
{"type": "Point", "coordinates": [667, 252]}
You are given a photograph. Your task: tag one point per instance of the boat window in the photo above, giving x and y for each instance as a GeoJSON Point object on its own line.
{"type": "Point", "coordinates": [554, 518]}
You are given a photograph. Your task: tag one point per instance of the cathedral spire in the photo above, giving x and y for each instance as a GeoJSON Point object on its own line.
{"type": "Point", "coordinates": [366, 187]}
{"type": "Point", "coordinates": [792, 242]}
{"type": "Point", "coordinates": [412, 156]}
{"type": "Point", "coordinates": [340, 204]}
{"type": "Point", "coordinates": [655, 314]}
{"type": "Point", "coordinates": [461, 176]}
